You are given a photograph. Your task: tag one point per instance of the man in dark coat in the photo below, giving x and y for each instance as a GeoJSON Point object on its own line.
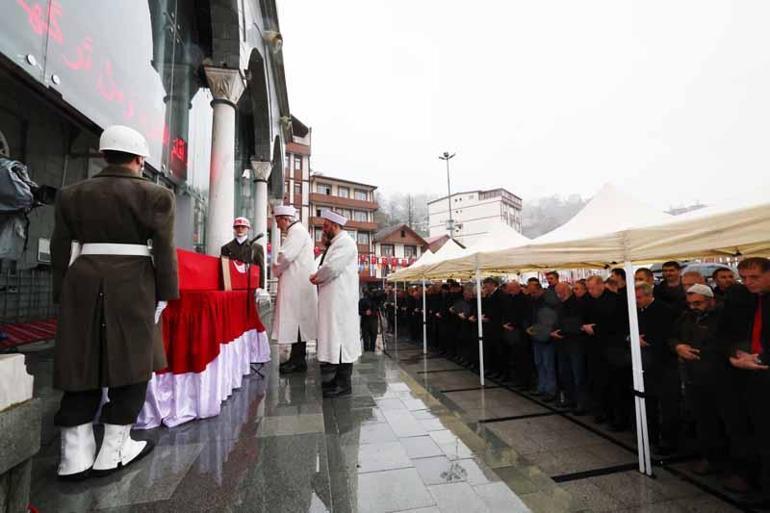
{"type": "Point", "coordinates": [111, 297]}
{"type": "Point", "coordinates": [492, 314]}
{"type": "Point", "coordinates": [608, 355]}
{"type": "Point", "coordinates": [745, 329]}
{"type": "Point", "coordinates": [367, 310]}
{"type": "Point", "coordinates": [517, 348]}
{"type": "Point", "coordinates": [661, 374]}
{"type": "Point", "coordinates": [696, 342]}
{"type": "Point", "coordinates": [570, 348]}
{"type": "Point", "coordinates": [244, 250]}
{"type": "Point", "coordinates": [670, 290]}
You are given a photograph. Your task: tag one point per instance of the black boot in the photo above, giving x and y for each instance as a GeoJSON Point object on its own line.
{"type": "Point", "coordinates": [342, 385]}
{"type": "Point", "coordinates": [326, 370]}
{"type": "Point", "coordinates": [296, 362]}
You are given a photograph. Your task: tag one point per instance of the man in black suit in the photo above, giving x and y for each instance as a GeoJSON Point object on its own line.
{"type": "Point", "coordinates": [492, 312]}
{"type": "Point", "coordinates": [609, 361]}
{"type": "Point", "coordinates": [570, 349]}
{"type": "Point", "coordinates": [517, 347]}
{"type": "Point", "coordinates": [746, 329]}
{"type": "Point", "coordinates": [661, 374]}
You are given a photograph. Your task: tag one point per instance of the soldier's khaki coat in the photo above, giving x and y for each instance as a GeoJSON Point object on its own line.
{"type": "Point", "coordinates": [107, 334]}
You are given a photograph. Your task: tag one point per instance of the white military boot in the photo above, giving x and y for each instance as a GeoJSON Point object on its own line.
{"type": "Point", "coordinates": [78, 451]}
{"type": "Point", "coordinates": [119, 450]}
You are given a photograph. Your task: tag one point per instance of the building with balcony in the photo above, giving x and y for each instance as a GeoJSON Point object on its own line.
{"type": "Point", "coordinates": [396, 247]}
{"type": "Point", "coordinates": [354, 200]}
{"type": "Point", "coordinates": [472, 212]}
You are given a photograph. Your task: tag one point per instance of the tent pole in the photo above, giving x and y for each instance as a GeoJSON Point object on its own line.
{"type": "Point", "coordinates": [395, 324]}
{"type": "Point", "coordinates": [642, 437]}
{"type": "Point", "coordinates": [481, 327]}
{"type": "Point", "coordinates": [424, 322]}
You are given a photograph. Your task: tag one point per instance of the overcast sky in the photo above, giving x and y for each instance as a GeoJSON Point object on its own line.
{"type": "Point", "coordinates": [668, 99]}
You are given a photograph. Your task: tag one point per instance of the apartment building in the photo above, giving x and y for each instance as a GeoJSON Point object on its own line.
{"type": "Point", "coordinates": [471, 213]}
{"type": "Point", "coordinates": [354, 200]}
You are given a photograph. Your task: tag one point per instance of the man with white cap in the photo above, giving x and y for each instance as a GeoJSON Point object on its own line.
{"type": "Point", "coordinates": [296, 307]}
{"type": "Point", "coordinates": [339, 333]}
{"type": "Point", "coordinates": [697, 343]}
{"type": "Point", "coordinates": [244, 250]}
{"type": "Point", "coordinates": [111, 289]}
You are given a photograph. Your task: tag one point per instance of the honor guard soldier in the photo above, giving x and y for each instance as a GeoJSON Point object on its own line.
{"type": "Point", "coordinates": [245, 250]}
{"type": "Point", "coordinates": [114, 267]}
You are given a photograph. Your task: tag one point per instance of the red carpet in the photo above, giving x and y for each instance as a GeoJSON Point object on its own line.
{"type": "Point", "coordinates": [27, 332]}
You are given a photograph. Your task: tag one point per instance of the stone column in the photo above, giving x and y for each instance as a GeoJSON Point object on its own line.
{"type": "Point", "coordinates": [275, 241]}
{"type": "Point", "coordinates": [261, 175]}
{"type": "Point", "coordinates": [226, 86]}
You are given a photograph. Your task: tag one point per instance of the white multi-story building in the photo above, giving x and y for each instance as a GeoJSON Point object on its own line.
{"type": "Point", "coordinates": [473, 212]}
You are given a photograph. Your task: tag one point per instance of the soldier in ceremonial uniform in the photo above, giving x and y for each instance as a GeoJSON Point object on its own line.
{"type": "Point", "coordinates": [111, 288]}
{"type": "Point", "coordinates": [244, 250]}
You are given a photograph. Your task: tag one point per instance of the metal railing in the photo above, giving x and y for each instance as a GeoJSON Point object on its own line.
{"type": "Point", "coordinates": [25, 295]}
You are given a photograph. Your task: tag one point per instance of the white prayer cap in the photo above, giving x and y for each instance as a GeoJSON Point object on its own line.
{"type": "Point", "coordinates": [284, 210]}
{"type": "Point", "coordinates": [334, 217]}
{"type": "Point", "coordinates": [703, 290]}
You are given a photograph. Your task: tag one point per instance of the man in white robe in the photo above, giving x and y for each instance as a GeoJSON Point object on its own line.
{"type": "Point", "coordinates": [296, 306]}
{"type": "Point", "coordinates": [339, 334]}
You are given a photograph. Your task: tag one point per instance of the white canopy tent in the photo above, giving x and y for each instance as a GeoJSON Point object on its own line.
{"type": "Point", "coordinates": [615, 227]}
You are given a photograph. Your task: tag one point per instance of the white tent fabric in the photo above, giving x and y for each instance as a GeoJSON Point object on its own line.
{"type": "Point", "coordinates": [425, 259]}
{"type": "Point", "coordinates": [500, 237]}
{"type": "Point", "coordinates": [592, 238]}
{"type": "Point", "coordinates": [714, 231]}
{"type": "Point", "coordinates": [417, 271]}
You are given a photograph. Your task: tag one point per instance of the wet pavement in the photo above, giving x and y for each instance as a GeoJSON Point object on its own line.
{"type": "Point", "coordinates": [417, 435]}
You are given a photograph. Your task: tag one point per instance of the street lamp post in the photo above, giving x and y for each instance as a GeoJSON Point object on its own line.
{"type": "Point", "coordinates": [446, 156]}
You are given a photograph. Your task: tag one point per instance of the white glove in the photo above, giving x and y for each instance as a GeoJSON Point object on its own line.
{"type": "Point", "coordinates": [159, 310]}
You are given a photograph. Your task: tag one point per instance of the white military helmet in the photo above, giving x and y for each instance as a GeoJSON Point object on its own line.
{"type": "Point", "coordinates": [125, 139]}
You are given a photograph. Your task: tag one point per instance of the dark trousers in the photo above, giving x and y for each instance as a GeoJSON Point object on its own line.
{"type": "Point", "coordinates": [735, 412]}
{"type": "Point", "coordinates": [598, 378]}
{"type": "Point", "coordinates": [621, 395]}
{"type": "Point", "coordinates": [663, 390]}
{"type": "Point", "coordinates": [298, 350]}
{"type": "Point", "coordinates": [572, 371]}
{"type": "Point", "coordinates": [758, 395]}
{"type": "Point", "coordinates": [77, 408]}
{"type": "Point", "coordinates": [523, 361]}
{"type": "Point", "coordinates": [702, 400]}
{"type": "Point", "coordinates": [369, 332]}
{"type": "Point", "coordinates": [342, 374]}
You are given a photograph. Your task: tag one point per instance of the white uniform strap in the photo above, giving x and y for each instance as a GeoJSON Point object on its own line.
{"type": "Point", "coordinates": [116, 249]}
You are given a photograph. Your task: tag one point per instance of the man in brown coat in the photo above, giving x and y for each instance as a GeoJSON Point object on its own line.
{"type": "Point", "coordinates": [112, 288]}
{"type": "Point", "coordinates": [245, 250]}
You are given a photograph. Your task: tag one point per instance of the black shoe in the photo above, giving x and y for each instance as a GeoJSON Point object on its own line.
{"type": "Point", "coordinates": [293, 368]}
{"type": "Point", "coordinates": [148, 447]}
{"type": "Point", "coordinates": [548, 398]}
{"type": "Point", "coordinates": [600, 419]}
{"type": "Point", "coordinates": [578, 412]}
{"type": "Point", "coordinates": [337, 391]}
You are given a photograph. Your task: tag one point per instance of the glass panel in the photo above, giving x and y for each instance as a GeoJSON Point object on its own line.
{"type": "Point", "coordinates": [27, 24]}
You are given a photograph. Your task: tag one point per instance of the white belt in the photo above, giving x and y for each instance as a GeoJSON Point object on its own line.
{"type": "Point", "coordinates": [115, 249]}
{"type": "Point", "coordinates": [100, 248]}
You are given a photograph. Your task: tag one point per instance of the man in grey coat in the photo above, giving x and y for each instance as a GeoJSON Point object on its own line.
{"type": "Point", "coordinates": [112, 289]}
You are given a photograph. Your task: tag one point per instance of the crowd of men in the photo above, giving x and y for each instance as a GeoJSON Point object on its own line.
{"type": "Point", "coordinates": [705, 351]}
